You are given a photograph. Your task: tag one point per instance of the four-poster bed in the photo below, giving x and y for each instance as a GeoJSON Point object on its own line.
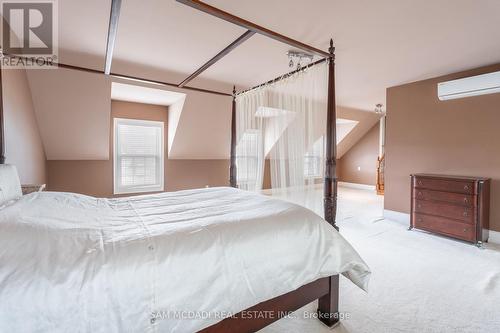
{"type": "Point", "coordinates": [324, 289]}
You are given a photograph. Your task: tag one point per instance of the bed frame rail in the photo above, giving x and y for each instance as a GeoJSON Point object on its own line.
{"type": "Point", "coordinates": [267, 312]}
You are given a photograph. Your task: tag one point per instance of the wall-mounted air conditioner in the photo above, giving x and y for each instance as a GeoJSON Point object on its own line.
{"type": "Point", "coordinates": [470, 86]}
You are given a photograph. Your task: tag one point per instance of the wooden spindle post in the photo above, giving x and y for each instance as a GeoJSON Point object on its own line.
{"type": "Point", "coordinates": [2, 125]}
{"type": "Point", "coordinates": [330, 195]}
{"type": "Point", "coordinates": [232, 168]}
{"type": "Point", "coordinates": [328, 305]}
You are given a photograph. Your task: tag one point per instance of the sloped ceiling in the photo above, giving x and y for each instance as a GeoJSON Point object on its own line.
{"type": "Point", "coordinates": [83, 31]}
{"type": "Point", "coordinates": [204, 128]}
{"type": "Point", "coordinates": [344, 127]}
{"type": "Point", "coordinates": [199, 126]}
{"type": "Point", "coordinates": [73, 110]}
{"type": "Point", "coordinates": [146, 95]}
{"type": "Point", "coordinates": [366, 120]}
{"type": "Point", "coordinates": [379, 44]}
{"type": "Point", "coordinates": [73, 113]}
{"type": "Point", "coordinates": [168, 35]}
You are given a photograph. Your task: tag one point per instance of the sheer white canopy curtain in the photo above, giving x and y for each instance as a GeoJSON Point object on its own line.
{"type": "Point", "coordinates": [285, 123]}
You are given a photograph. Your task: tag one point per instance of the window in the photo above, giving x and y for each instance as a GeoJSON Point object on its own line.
{"type": "Point", "coordinates": [138, 156]}
{"type": "Point", "coordinates": [248, 152]}
{"type": "Point", "coordinates": [313, 159]}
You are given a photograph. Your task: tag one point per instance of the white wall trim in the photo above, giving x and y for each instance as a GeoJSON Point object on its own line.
{"type": "Point", "coordinates": [357, 186]}
{"type": "Point", "coordinates": [494, 237]}
{"type": "Point", "coordinates": [401, 218]}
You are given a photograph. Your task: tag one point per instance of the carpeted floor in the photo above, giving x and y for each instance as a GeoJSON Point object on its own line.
{"type": "Point", "coordinates": [420, 282]}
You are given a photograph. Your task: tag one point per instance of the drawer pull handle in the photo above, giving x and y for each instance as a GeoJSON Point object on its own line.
{"type": "Point", "coordinates": [419, 206]}
{"type": "Point", "coordinates": [466, 214]}
{"type": "Point", "coordinates": [466, 187]}
{"type": "Point", "coordinates": [419, 219]}
{"type": "Point", "coordinates": [466, 200]}
{"type": "Point", "coordinates": [419, 182]}
{"type": "Point", "coordinates": [419, 194]}
{"type": "Point", "coordinates": [465, 229]}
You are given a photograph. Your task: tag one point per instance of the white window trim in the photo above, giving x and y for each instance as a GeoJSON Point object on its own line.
{"type": "Point", "coordinates": [138, 189]}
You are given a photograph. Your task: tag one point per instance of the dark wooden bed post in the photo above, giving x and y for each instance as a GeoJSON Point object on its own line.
{"type": "Point", "coordinates": [232, 168]}
{"type": "Point", "coordinates": [2, 126]}
{"type": "Point", "coordinates": [328, 305]}
{"type": "Point", "coordinates": [330, 197]}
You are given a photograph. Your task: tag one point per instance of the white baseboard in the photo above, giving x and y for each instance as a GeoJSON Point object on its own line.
{"type": "Point", "coordinates": [357, 186]}
{"type": "Point", "coordinates": [494, 237]}
{"type": "Point", "coordinates": [401, 218]}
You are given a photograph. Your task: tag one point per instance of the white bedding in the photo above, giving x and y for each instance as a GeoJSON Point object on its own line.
{"type": "Point", "coordinates": [73, 263]}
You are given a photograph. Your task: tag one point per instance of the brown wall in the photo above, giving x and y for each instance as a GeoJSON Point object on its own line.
{"type": "Point", "coordinates": [364, 155]}
{"type": "Point", "coordinates": [23, 145]}
{"type": "Point", "coordinates": [457, 137]}
{"type": "Point", "coordinates": [96, 177]}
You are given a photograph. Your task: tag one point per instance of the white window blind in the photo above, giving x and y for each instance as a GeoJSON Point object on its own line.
{"type": "Point", "coordinates": [248, 153]}
{"type": "Point", "coordinates": [138, 156]}
{"type": "Point", "coordinates": [314, 158]}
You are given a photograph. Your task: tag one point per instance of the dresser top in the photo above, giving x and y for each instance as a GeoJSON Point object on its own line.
{"type": "Point", "coordinates": [449, 177]}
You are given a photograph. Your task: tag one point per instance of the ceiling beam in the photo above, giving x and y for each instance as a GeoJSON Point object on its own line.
{"type": "Point", "coordinates": [128, 77]}
{"type": "Point", "coordinates": [112, 30]}
{"type": "Point", "coordinates": [122, 76]}
{"type": "Point", "coordinates": [201, 6]}
{"type": "Point", "coordinates": [219, 56]}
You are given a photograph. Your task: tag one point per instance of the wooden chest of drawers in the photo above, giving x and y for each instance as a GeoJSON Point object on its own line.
{"type": "Point", "coordinates": [453, 206]}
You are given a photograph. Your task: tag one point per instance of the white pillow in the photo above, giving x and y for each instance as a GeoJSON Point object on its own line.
{"type": "Point", "coordinates": [10, 186]}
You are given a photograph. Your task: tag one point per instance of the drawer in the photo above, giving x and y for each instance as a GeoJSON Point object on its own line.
{"type": "Point", "coordinates": [444, 226]}
{"type": "Point", "coordinates": [462, 213]}
{"type": "Point", "coordinates": [444, 185]}
{"type": "Point", "coordinates": [454, 198]}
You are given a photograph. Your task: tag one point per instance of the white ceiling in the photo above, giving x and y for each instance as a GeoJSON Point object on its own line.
{"type": "Point", "coordinates": [145, 95]}
{"type": "Point", "coordinates": [344, 127]}
{"type": "Point", "coordinates": [168, 35]}
{"type": "Point", "coordinates": [83, 31]}
{"type": "Point", "coordinates": [379, 43]}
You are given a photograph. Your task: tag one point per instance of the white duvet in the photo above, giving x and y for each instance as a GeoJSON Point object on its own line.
{"type": "Point", "coordinates": [171, 262]}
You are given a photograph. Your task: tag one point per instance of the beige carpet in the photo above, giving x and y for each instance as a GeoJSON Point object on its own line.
{"type": "Point", "coordinates": [420, 282]}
